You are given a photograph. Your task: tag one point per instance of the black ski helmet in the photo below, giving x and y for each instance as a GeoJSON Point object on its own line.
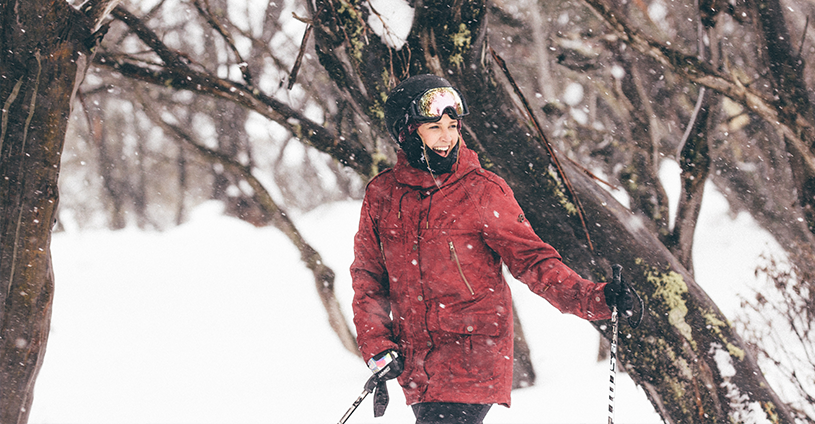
{"type": "Point", "coordinates": [398, 104]}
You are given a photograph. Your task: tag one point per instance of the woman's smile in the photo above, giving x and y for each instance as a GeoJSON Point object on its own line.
{"type": "Point", "coordinates": [441, 136]}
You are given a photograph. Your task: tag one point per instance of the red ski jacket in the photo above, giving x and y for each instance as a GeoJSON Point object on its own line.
{"type": "Point", "coordinates": [427, 279]}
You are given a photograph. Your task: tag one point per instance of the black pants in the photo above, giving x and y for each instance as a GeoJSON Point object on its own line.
{"type": "Point", "coordinates": [450, 413]}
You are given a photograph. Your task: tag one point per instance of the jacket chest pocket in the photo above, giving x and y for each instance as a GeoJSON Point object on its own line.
{"type": "Point", "coordinates": [473, 268]}
{"type": "Point", "coordinates": [454, 257]}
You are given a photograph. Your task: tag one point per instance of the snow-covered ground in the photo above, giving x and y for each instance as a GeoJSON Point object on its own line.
{"type": "Point", "coordinates": [216, 321]}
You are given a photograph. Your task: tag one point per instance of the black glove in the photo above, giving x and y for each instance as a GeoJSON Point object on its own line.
{"type": "Point", "coordinates": [387, 365]}
{"type": "Point", "coordinates": [619, 293]}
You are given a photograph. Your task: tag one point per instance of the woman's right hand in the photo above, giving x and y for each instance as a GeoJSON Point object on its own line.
{"type": "Point", "coordinates": [387, 365]}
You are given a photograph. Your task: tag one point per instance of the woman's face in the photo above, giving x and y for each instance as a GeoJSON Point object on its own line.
{"type": "Point", "coordinates": [441, 136]}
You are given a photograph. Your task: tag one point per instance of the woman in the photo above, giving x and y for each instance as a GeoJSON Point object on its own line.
{"type": "Point", "coordinates": [429, 295]}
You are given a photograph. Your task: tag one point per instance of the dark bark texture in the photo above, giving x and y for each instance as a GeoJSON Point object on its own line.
{"type": "Point", "coordinates": [42, 48]}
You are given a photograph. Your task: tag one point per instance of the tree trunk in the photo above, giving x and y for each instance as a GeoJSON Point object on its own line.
{"type": "Point", "coordinates": [40, 64]}
{"type": "Point", "coordinates": [677, 351]}
{"type": "Point", "coordinates": [789, 85]}
{"type": "Point", "coordinates": [694, 159]}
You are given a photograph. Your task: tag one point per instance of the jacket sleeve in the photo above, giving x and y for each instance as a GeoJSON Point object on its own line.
{"type": "Point", "coordinates": [371, 304]}
{"type": "Point", "coordinates": [535, 263]}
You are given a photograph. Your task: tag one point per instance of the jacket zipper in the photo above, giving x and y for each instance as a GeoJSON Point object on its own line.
{"type": "Point", "coordinates": [454, 257]}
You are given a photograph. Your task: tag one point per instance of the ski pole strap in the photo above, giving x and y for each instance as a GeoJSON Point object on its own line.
{"type": "Point", "coordinates": [635, 318]}
{"type": "Point", "coordinates": [381, 398]}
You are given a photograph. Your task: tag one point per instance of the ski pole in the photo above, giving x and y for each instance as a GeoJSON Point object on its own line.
{"type": "Point", "coordinates": [370, 385]}
{"type": "Point", "coordinates": [617, 271]}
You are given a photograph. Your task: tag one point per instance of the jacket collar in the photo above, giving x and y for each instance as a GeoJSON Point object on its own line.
{"type": "Point", "coordinates": [408, 175]}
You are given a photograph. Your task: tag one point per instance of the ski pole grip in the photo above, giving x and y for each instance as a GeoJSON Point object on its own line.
{"type": "Point", "coordinates": [617, 274]}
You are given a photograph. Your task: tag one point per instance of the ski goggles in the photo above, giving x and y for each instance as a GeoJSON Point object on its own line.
{"type": "Point", "coordinates": [433, 103]}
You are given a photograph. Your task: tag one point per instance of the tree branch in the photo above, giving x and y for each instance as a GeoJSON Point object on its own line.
{"type": "Point", "coordinates": [205, 11]}
{"type": "Point", "coordinates": [699, 72]}
{"type": "Point", "coordinates": [308, 131]}
{"type": "Point", "coordinates": [177, 74]}
{"type": "Point", "coordinates": [549, 148]}
{"type": "Point", "coordinates": [147, 36]}
{"type": "Point", "coordinates": [695, 161]}
{"type": "Point", "coordinates": [98, 10]}
{"type": "Point", "coordinates": [323, 275]}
